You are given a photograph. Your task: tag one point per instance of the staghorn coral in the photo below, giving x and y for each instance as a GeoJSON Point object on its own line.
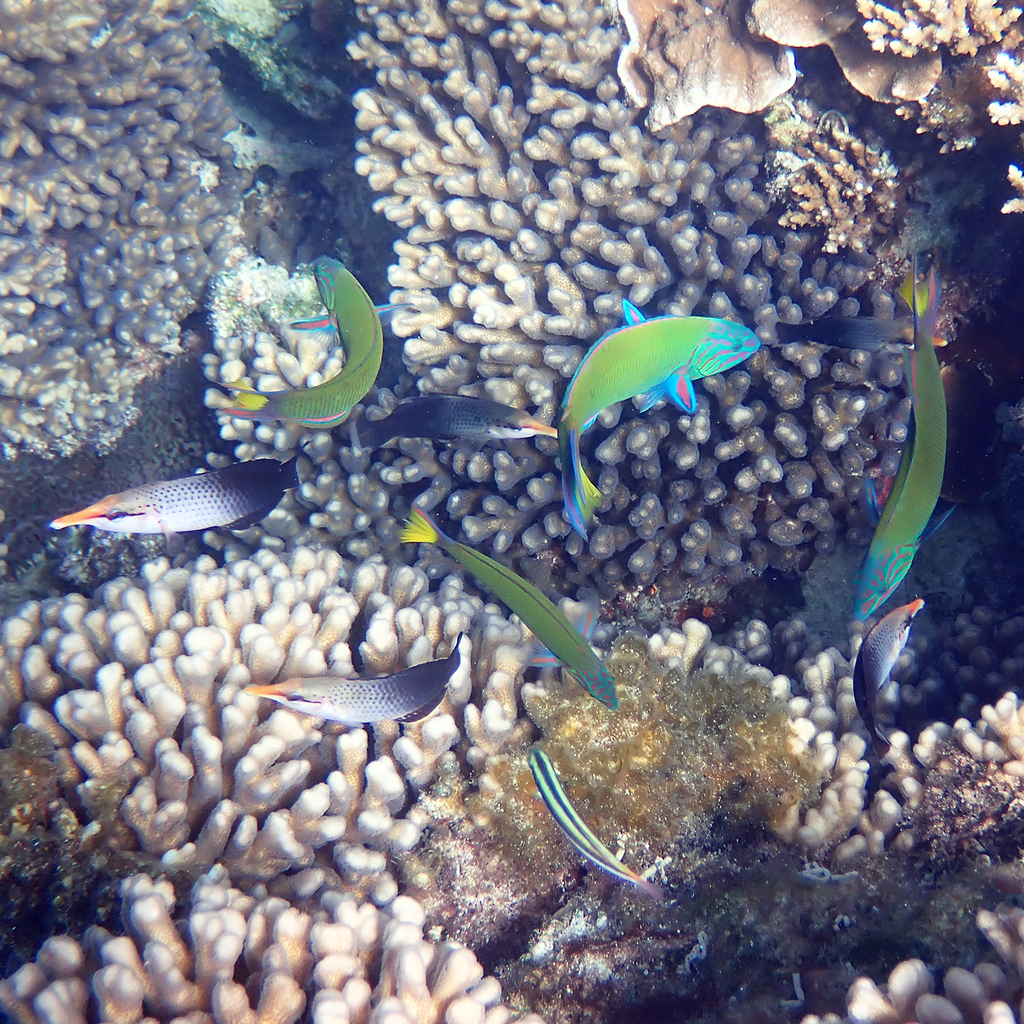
{"type": "Point", "coordinates": [229, 956]}
{"type": "Point", "coordinates": [115, 183]}
{"type": "Point", "coordinates": [1006, 75]}
{"type": "Point", "coordinates": [832, 178]}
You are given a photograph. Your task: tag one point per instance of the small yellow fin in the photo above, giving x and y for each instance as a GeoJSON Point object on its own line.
{"type": "Point", "coordinates": [419, 529]}
{"type": "Point", "coordinates": [248, 398]}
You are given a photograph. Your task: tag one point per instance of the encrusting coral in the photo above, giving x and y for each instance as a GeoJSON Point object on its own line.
{"type": "Point", "coordinates": [115, 183]}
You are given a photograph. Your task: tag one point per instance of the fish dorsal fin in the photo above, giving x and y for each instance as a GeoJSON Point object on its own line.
{"type": "Point", "coordinates": [631, 314]}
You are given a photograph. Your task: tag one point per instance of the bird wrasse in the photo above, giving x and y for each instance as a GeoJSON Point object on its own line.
{"type": "Point", "coordinates": [547, 623]}
{"type": "Point", "coordinates": [569, 821]}
{"type": "Point", "coordinates": [644, 359]}
{"type": "Point", "coordinates": [358, 324]}
{"type": "Point", "coordinates": [474, 420]}
{"type": "Point", "coordinates": [915, 491]}
{"type": "Point", "coordinates": [405, 696]}
{"type": "Point", "coordinates": [235, 496]}
{"type": "Point", "coordinates": [876, 658]}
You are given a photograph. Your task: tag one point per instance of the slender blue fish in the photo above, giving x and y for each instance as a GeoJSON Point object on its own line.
{"type": "Point", "coordinates": [568, 820]}
{"type": "Point", "coordinates": [472, 420]}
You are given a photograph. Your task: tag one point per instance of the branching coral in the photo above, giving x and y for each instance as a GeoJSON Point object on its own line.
{"type": "Point", "coordinates": [833, 178]}
{"type": "Point", "coordinates": [114, 185]}
{"type": "Point", "coordinates": [238, 958]}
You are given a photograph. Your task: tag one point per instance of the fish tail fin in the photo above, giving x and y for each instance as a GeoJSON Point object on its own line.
{"type": "Point", "coordinates": [579, 492]}
{"type": "Point", "coordinates": [247, 399]}
{"type": "Point", "coordinates": [922, 298]}
{"type": "Point", "coordinates": [420, 529]}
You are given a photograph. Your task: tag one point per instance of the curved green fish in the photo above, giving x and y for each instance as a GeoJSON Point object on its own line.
{"type": "Point", "coordinates": [538, 614]}
{"type": "Point", "coordinates": [918, 482]}
{"type": "Point", "coordinates": [358, 323]}
{"type": "Point", "coordinates": [646, 359]}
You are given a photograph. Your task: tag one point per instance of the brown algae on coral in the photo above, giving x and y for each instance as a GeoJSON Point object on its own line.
{"type": "Point", "coordinates": [685, 753]}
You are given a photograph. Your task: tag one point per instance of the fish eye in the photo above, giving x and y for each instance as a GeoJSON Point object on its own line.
{"type": "Point", "coordinates": [117, 513]}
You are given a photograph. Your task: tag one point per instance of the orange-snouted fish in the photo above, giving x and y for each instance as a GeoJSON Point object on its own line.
{"type": "Point", "coordinates": [404, 697]}
{"type": "Point", "coordinates": [236, 496]}
{"type": "Point", "coordinates": [875, 660]}
{"type": "Point", "coordinates": [470, 420]}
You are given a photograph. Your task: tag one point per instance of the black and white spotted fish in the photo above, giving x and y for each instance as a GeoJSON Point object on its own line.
{"type": "Point", "coordinates": [235, 496]}
{"type": "Point", "coordinates": [403, 697]}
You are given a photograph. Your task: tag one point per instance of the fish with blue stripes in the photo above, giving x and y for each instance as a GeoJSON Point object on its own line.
{"type": "Point", "coordinates": [576, 829]}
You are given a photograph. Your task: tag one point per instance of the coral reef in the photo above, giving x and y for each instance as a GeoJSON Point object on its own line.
{"type": "Point", "coordinates": [115, 183]}
{"type": "Point", "coordinates": [245, 958]}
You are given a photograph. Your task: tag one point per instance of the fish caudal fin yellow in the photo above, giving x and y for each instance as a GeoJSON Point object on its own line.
{"type": "Point", "coordinates": [247, 399]}
{"type": "Point", "coordinates": [420, 530]}
{"type": "Point", "coordinates": [580, 494]}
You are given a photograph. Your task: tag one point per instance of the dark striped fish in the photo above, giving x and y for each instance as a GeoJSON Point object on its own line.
{"type": "Point", "coordinates": [404, 697]}
{"type": "Point", "coordinates": [568, 820]}
{"type": "Point", "coordinates": [236, 496]}
{"type": "Point", "coordinates": [863, 332]}
{"type": "Point", "coordinates": [474, 420]}
{"type": "Point", "coordinates": [875, 660]}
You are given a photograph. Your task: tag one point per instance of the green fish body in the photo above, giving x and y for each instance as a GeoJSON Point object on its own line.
{"type": "Point", "coordinates": [357, 321]}
{"type": "Point", "coordinates": [918, 482]}
{"type": "Point", "coordinates": [547, 623]}
{"type": "Point", "coordinates": [645, 359]}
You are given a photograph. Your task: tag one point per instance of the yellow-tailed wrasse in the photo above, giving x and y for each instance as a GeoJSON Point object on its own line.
{"type": "Point", "coordinates": [472, 420]}
{"type": "Point", "coordinates": [403, 697]}
{"type": "Point", "coordinates": [547, 623]}
{"type": "Point", "coordinates": [568, 820]}
{"type": "Point", "coordinates": [358, 324]}
{"type": "Point", "coordinates": [876, 658]}
{"type": "Point", "coordinates": [235, 496]}
{"type": "Point", "coordinates": [646, 359]}
{"type": "Point", "coordinates": [915, 491]}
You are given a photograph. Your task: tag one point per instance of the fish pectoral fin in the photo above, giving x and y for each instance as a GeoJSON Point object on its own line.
{"type": "Point", "coordinates": [938, 517]}
{"type": "Point", "coordinates": [872, 507]}
{"type": "Point", "coordinates": [631, 314]}
{"type": "Point", "coordinates": [323, 329]}
{"type": "Point", "coordinates": [677, 388]}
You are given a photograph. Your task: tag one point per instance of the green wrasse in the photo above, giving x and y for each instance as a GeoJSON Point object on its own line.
{"type": "Point", "coordinates": [235, 496]}
{"type": "Point", "coordinates": [357, 321]}
{"type": "Point", "coordinates": [645, 359]}
{"type": "Point", "coordinates": [568, 820]}
{"type": "Point", "coordinates": [403, 697]}
{"type": "Point", "coordinates": [915, 491]}
{"type": "Point", "coordinates": [876, 658]}
{"type": "Point", "coordinates": [539, 615]}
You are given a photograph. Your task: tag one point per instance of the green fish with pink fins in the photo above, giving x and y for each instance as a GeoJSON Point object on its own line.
{"type": "Point", "coordinates": [651, 360]}
{"type": "Point", "coordinates": [353, 316]}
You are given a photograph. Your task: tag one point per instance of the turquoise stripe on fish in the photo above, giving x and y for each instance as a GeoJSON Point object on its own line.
{"type": "Point", "coordinates": [576, 829]}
